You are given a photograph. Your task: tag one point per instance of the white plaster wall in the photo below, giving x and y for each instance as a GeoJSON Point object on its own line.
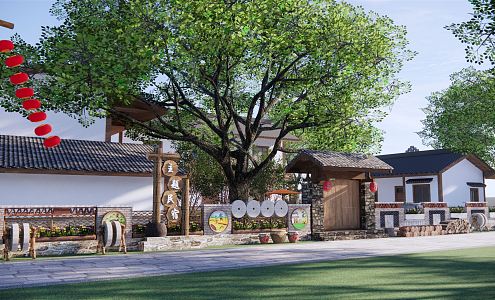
{"type": "Point", "coordinates": [34, 189]}
{"type": "Point", "coordinates": [455, 190]}
{"type": "Point", "coordinates": [386, 188]}
{"type": "Point", "coordinates": [433, 188]}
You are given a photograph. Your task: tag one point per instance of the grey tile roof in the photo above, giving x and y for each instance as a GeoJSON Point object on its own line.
{"type": "Point", "coordinates": [19, 152]}
{"type": "Point", "coordinates": [346, 160]}
{"type": "Point", "coordinates": [420, 162]}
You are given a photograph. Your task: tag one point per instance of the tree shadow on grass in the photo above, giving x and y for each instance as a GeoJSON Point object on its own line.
{"type": "Point", "coordinates": [463, 274]}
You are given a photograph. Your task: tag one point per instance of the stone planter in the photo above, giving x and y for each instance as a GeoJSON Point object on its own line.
{"type": "Point", "coordinates": [278, 236]}
{"type": "Point", "coordinates": [293, 237]}
{"type": "Point", "coordinates": [264, 238]}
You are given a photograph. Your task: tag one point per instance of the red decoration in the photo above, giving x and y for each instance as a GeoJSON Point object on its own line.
{"type": "Point", "coordinates": [327, 186]}
{"type": "Point", "coordinates": [52, 141]}
{"type": "Point", "coordinates": [6, 46]}
{"type": "Point", "coordinates": [373, 187]}
{"type": "Point", "coordinates": [43, 129]}
{"type": "Point", "coordinates": [14, 61]}
{"type": "Point", "coordinates": [37, 117]}
{"type": "Point", "coordinates": [31, 104]}
{"type": "Point", "coordinates": [24, 93]}
{"type": "Point", "coordinates": [19, 78]}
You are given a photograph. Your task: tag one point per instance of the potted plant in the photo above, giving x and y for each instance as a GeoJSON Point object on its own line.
{"type": "Point", "coordinates": [278, 236]}
{"type": "Point", "coordinates": [264, 238]}
{"type": "Point", "coordinates": [293, 236]}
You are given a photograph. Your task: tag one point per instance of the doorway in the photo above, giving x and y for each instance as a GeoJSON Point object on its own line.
{"type": "Point", "coordinates": [341, 205]}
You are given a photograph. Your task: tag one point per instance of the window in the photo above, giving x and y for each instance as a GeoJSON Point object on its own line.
{"type": "Point", "coordinates": [400, 196]}
{"type": "Point", "coordinates": [475, 195]}
{"type": "Point", "coordinates": [421, 193]}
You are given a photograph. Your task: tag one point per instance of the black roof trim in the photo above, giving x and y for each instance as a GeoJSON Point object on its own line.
{"type": "Point", "coordinates": [419, 180]}
{"type": "Point", "coordinates": [476, 184]}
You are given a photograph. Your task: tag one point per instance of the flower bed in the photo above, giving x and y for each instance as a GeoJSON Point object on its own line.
{"type": "Point", "coordinates": [248, 225]}
{"type": "Point", "coordinates": [64, 232]}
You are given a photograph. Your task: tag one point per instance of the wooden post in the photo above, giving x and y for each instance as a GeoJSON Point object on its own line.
{"type": "Point", "coordinates": [6, 24]}
{"type": "Point", "coordinates": [32, 246]}
{"type": "Point", "coordinates": [185, 208]}
{"type": "Point", "coordinates": [157, 181]}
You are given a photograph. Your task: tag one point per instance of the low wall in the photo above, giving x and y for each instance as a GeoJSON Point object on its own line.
{"type": "Point", "coordinates": [72, 248]}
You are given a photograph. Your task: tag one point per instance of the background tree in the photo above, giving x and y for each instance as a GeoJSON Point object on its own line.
{"type": "Point", "coordinates": [219, 67]}
{"type": "Point", "coordinates": [461, 117]}
{"type": "Point", "coordinates": [478, 33]}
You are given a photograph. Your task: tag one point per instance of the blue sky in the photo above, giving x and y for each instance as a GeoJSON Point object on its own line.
{"type": "Point", "coordinates": [439, 55]}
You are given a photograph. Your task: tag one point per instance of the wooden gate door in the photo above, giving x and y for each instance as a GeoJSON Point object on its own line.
{"type": "Point", "coordinates": [341, 205]}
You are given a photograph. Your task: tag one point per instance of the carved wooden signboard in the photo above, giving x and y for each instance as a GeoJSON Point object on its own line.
{"type": "Point", "coordinates": [169, 196]}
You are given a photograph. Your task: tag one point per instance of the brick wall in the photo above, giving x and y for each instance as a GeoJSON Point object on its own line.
{"type": "Point", "coordinates": [304, 233]}
{"type": "Point", "coordinates": [208, 209]}
{"type": "Point", "coordinates": [367, 203]}
{"type": "Point", "coordinates": [126, 211]}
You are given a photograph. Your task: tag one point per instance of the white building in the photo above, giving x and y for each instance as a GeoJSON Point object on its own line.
{"type": "Point", "coordinates": [433, 176]}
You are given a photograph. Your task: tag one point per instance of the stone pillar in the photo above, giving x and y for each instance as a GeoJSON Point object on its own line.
{"type": "Point", "coordinates": [367, 203]}
{"type": "Point", "coordinates": [126, 211]}
{"type": "Point", "coordinates": [389, 214]}
{"type": "Point", "coordinates": [435, 212]}
{"type": "Point", "coordinates": [476, 207]}
{"type": "Point", "coordinates": [312, 193]}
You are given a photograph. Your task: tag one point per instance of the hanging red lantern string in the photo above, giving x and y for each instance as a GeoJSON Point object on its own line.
{"type": "Point", "coordinates": [373, 187]}
{"type": "Point", "coordinates": [14, 61]}
{"type": "Point", "coordinates": [52, 141]}
{"type": "Point", "coordinates": [26, 92]}
{"type": "Point", "coordinates": [327, 185]}
{"type": "Point", "coordinates": [43, 130]}
{"type": "Point", "coordinates": [19, 78]}
{"type": "Point", "coordinates": [31, 104]}
{"type": "Point", "coordinates": [23, 93]}
{"type": "Point", "coordinates": [6, 46]}
{"type": "Point", "coordinates": [37, 117]}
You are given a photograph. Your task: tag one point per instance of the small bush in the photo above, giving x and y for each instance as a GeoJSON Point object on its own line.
{"type": "Point", "coordinates": [456, 210]}
{"type": "Point", "coordinates": [491, 209]}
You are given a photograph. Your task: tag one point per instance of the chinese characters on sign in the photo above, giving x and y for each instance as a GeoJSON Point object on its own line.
{"type": "Point", "coordinates": [169, 197]}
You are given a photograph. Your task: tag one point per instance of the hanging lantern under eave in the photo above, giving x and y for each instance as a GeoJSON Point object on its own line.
{"type": "Point", "coordinates": [19, 78]}
{"type": "Point", "coordinates": [43, 130]}
{"type": "Point", "coordinates": [31, 104]}
{"type": "Point", "coordinates": [24, 93]}
{"type": "Point", "coordinates": [327, 185]}
{"type": "Point", "coordinates": [373, 187]}
{"type": "Point", "coordinates": [52, 141]}
{"type": "Point", "coordinates": [14, 61]}
{"type": "Point", "coordinates": [6, 46]}
{"type": "Point", "coordinates": [37, 116]}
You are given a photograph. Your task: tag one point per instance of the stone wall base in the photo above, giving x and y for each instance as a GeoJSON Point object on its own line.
{"type": "Point", "coordinates": [196, 242]}
{"type": "Point", "coordinates": [72, 248]}
{"type": "Point", "coordinates": [349, 235]}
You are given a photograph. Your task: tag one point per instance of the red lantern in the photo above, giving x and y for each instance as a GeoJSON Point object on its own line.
{"type": "Point", "coordinates": [43, 129]}
{"type": "Point", "coordinates": [6, 46]}
{"type": "Point", "coordinates": [31, 104]}
{"type": "Point", "coordinates": [24, 93]}
{"type": "Point", "coordinates": [373, 187]}
{"type": "Point", "coordinates": [14, 61]}
{"type": "Point", "coordinates": [327, 186]}
{"type": "Point", "coordinates": [37, 117]}
{"type": "Point", "coordinates": [52, 141]}
{"type": "Point", "coordinates": [19, 78]}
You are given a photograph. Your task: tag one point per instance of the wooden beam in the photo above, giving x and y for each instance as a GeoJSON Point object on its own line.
{"type": "Point", "coordinates": [6, 24]}
{"type": "Point", "coordinates": [185, 208]}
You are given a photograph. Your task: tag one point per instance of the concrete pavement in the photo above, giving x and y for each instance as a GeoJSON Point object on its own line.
{"type": "Point", "coordinates": [80, 269]}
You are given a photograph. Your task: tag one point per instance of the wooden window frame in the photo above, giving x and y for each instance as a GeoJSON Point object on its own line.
{"type": "Point", "coordinates": [417, 186]}
{"type": "Point", "coordinates": [476, 193]}
{"type": "Point", "coordinates": [397, 194]}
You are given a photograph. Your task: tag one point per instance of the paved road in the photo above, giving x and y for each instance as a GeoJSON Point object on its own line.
{"type": "Point", "coordinates": [80, 269]}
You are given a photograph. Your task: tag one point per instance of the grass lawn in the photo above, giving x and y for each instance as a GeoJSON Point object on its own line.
{"type": "Point", "coordinates": [458, 274]}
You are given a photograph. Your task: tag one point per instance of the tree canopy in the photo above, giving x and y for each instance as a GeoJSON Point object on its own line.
{"type": "Point", "coordinates": [220, 69]}
{"type": "Point", "coordinates": [461, 117]}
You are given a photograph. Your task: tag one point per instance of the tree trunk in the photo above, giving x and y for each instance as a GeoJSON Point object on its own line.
{"type": "Point", "coordinates": [238, 191]}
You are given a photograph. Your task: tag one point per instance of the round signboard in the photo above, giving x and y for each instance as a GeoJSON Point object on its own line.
{"type": "Point", "coordinates": [169, 198]}
{"type": "Point", "coordinates": [114, 216]}
{"type": "Point", "coordinates": [218, 221]}
{"type": "Point", "coordinates": [170, 168]}
{"type": "Point", "coordinates": [267, 208]}
{"type": "Point", "coordinates": [173, 214]}
{"type": "Point", "coordinates": [299, 218]}
{"type": "Point", "coordinates": [238, 208]}
{"type": "Point", "coordinates": [253, 208]}
{"type": "Point", "coordinates": [174, 183]}
{"type": "Point", "coordinates": [281, 208]}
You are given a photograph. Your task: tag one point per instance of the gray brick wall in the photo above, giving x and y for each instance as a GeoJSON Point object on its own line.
{"type": "Point", "coordinates": [126, 211]}
{"type": "Point", "coordinates": [208, 209]}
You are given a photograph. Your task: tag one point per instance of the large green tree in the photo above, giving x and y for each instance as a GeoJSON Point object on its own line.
{"type": "Point", "coordinates": [461, 117]}
{"type": "Point", "coordinates": [219, 67]}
